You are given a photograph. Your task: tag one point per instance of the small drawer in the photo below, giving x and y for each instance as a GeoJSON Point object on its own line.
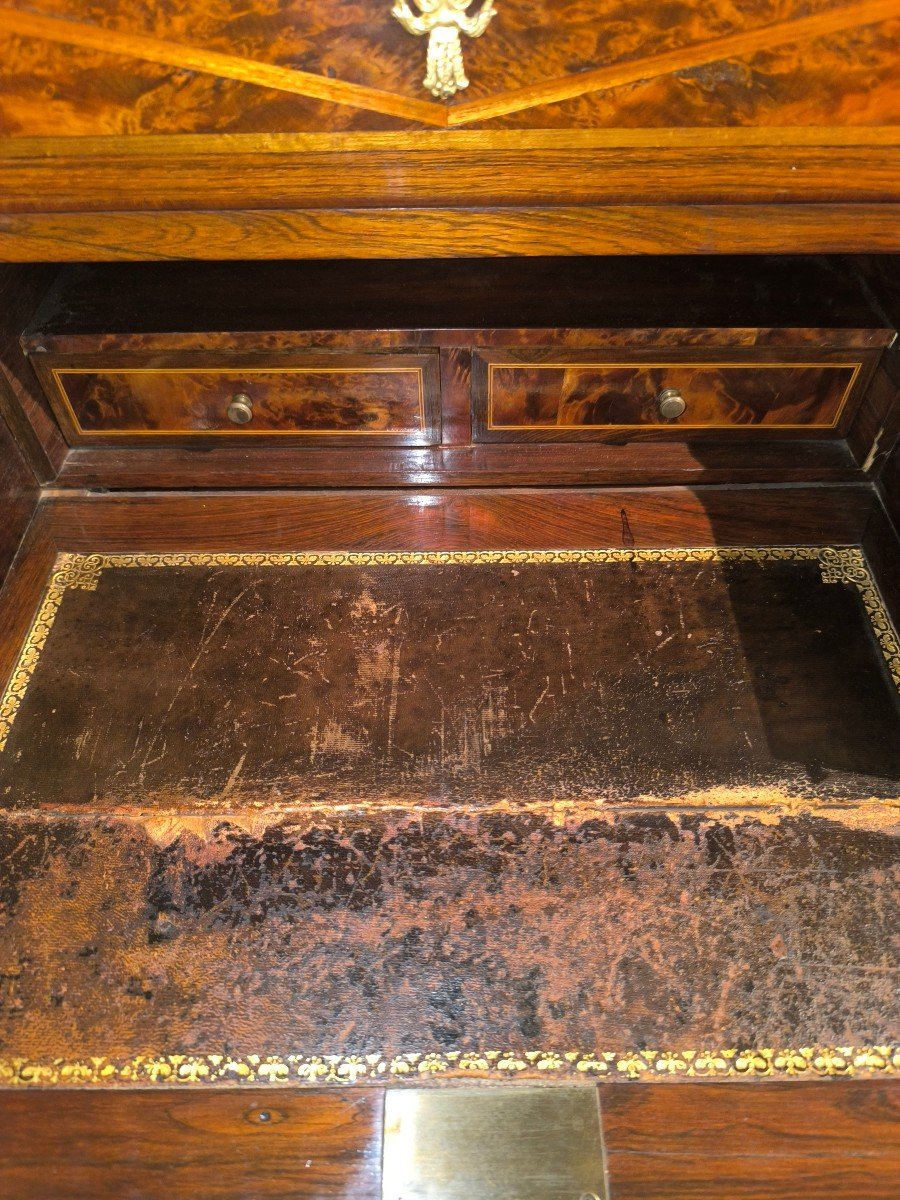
{"type": "Point", "coordinates": [388, 399]}
{"type": "Point", "coordinates": [547, 396]}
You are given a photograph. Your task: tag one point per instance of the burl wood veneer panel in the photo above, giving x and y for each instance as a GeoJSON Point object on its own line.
{"type": "Point", "coordinates": [369, 816]}
{"type": "Point", "coordinates": [386, 399]}
{"type": "Point", "coordinates": [192, 67]}
{"type": "Point", "coordinates": [519, 399]}
{"type": "Point", "coordinates": [304, 130]}
{"type": "Point", "coordinates": [109, 403]}
{"type": "Point", "coordinates": [765, 351]}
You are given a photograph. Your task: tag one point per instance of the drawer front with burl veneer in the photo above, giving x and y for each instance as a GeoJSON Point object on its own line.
{"type": "Point", "coordinates": [552, 395]}
{"type": "Point", "coordinates": [307, 398]}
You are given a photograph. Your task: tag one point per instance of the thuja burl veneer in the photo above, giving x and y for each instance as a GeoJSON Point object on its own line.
{"type": "Point", "coordinates": [598, 371]}
{"type": "Point", "coordinates": [304, 130]}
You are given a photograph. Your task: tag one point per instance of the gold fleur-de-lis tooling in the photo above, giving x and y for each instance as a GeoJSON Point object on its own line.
{"type": "Point", "coordinates": [444, 21]}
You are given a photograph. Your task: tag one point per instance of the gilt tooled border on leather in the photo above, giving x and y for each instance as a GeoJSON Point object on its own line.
{"type": "Point", "coordinates": [837, 564]}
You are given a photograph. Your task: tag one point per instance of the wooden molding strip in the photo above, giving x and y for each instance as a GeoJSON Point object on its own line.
{"type": "Point", "coordinates": [224, 66]}
{"type": "Point", "coordinates": [172, 178]}
{"type": "Point", "coordinates": [208, 145]}
{"type": "Point", "coordinates": [450, 232]}
{"type": "Point", "coordinates": [698, 54]}
{"type": "Point", "coordinates": [336, 91]}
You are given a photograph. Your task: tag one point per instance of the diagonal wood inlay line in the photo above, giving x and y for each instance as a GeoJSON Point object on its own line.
{"type": "Point", "coordinates": [303, 83]}
{"type": "Point", "coordinates": [223, 66]}
{"type": "Point", "coordinates": [697, 54]}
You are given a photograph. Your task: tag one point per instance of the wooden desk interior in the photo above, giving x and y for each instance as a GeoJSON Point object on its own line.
{"type": "Point", "coordinates": [319, 788]}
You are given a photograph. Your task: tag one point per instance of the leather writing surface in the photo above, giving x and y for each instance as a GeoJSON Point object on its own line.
{"type": "Point", "coordinates": [463, 809]}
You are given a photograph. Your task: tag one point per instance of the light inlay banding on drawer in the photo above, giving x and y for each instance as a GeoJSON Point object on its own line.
{"type": "Point", "coordinates": [393, 399]}
{"type": "Point", "coordinates": [583, 400]}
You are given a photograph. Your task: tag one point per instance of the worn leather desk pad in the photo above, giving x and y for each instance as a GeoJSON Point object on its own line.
{"type": "Point", "coordinates": [364, 816]}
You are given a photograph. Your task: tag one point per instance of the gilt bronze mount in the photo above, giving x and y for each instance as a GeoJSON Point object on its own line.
{"type": "Point", "coordinates": [444, 21]}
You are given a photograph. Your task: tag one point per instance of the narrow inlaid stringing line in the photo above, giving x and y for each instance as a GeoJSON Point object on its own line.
{"type": "Point", "coordinates": [494, 367]}
{"type": "Point", "coordinates": [56, 374]}
{"type": "Point", "coordinates": [186, 57]}
{"type": "Point", "coordinates": [838, 565]}
{"type": "Point", "coordinates": [808, 1062]}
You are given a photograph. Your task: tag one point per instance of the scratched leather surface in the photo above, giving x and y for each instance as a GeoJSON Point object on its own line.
{"type": "Point", "coordinates": [450, 826]}
{"type": "Point", "coordinates": [409, 934]}
{"type": "Point", "coordinates": [212, 687]}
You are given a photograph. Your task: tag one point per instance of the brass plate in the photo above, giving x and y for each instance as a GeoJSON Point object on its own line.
{"type": "Point", "coordinates": [493, 1143]}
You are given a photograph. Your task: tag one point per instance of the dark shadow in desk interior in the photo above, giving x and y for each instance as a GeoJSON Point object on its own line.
{"type": "Point", "coordinates": [828, 699]}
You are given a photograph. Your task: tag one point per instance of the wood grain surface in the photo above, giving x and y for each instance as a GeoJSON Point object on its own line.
{"type": "Point", "coordinates": [769, 1142]}
{"type": "Point", "coordinates": [766, 1142]}
{"type": "Point", "coordinates": [656, 464]}
{"type": "Point", "coordinates": [112, 235]}
{"type": "Point", "coordinates": [757, 313]}
{"type": "Point", "coordinates": [18, 497]}
{"type": "Point", "coordinates": [216, 1146]}
{"type": "Point", "coordinates": [283, 172]}
{"type": "Point", "coordinates": [300, 130]}
{"type": "Point", "coordinates": [470, 519]}
{"type": "Point", "coordinates": [22, 405]}
{"type": "Point", "coordinates": [362, 70]}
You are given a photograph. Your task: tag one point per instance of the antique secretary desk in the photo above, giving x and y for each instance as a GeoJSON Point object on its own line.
{"type": "Point", "coordinates": [449, 674]}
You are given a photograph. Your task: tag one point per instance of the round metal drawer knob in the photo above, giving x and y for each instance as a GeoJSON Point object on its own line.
{"type": "Point", "coordinates": [670, 404]}
{"type": "Point", "coordinates": [240, 409]}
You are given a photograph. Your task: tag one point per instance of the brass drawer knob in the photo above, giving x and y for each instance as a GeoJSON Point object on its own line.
{"type": "Point", "coordinates": [240, 409]}
{"type": "Point", "coordinates": [670, 403]}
